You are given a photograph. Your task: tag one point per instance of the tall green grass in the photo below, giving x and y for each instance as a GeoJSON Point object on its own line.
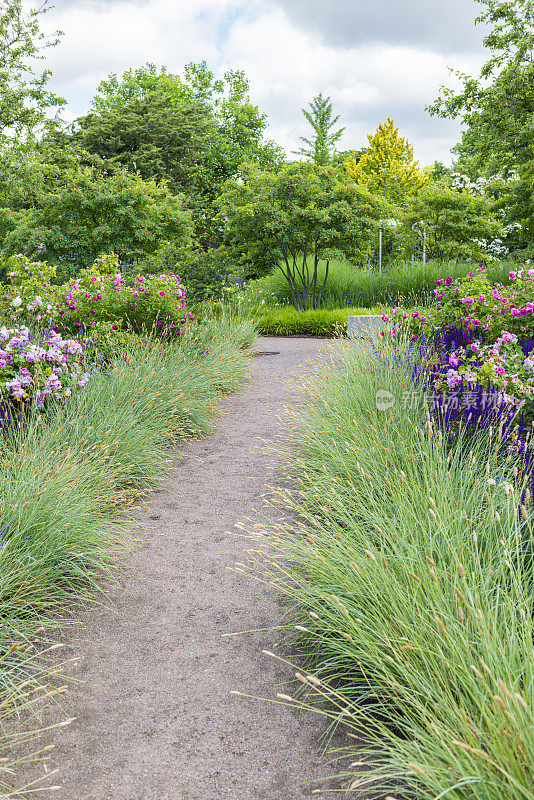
{"type": "Point", "coordinates": [69, 472]}
{"type": "Point", "coordinates": [409, 579]}
{"type": "Point", "coordinates": [398, 284]}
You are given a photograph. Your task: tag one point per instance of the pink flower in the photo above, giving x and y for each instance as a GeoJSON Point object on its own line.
{"type": "Point", "coordinates": [509, 338]}
{"type": "Point", "coordinates": [448, 281]}
{"type": "Point", "coordinates": [453, 378]}
{"type": "Point", "coordinates": [467, 301]}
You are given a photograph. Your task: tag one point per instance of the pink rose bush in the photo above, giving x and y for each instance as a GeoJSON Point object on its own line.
{"type": "Point", "coordinates": [152, 302]}
{"type": "Point", "coordinates": [479, 307]}
{"type": "Point", "coordinates": [33, 369]}
{"type": "Point", "coordinates": [99, 300]}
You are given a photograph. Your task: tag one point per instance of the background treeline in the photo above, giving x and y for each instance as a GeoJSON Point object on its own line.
{"type": "Point", "coordinates": [176, 172]}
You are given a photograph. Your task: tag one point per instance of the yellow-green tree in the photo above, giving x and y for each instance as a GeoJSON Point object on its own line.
{"type": "Point", "coordinates": [388, 166]}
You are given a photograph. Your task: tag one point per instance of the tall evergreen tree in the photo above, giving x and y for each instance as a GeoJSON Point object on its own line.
{"type": "Point", "coordinates": [320, 147]}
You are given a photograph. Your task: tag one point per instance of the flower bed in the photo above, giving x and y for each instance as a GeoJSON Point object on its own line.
{"type": "Point", "coordinates": [406, 562]}
{"type": "Point", "coordinates": [32, 369]}
{"type": "Point", "coordinates": [479, 335]}
{"type": "Point", "coordinates": [99, 300]}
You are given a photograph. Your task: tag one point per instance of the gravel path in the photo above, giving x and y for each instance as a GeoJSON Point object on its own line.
{"type": "Point", "coordinates": [155, 718]}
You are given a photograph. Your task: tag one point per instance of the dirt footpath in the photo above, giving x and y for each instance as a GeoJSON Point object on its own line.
{"type": "Point", "coordinates": [155, 717]}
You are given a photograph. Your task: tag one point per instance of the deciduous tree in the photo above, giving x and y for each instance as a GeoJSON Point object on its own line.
{"type": "Point", "coordinates": [24, 96]}
{"type": "Point", "coordinates": [302, 215]}
{"type": "Point", "coordinates": [387, 165]}
{"type": "Point", "coordinates": [456, 223]}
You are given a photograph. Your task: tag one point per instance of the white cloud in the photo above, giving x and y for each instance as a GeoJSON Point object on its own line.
{"type": "Point", "coordinates": [367, 83]}
{"type": "Point", "coordinates": [287, 64]}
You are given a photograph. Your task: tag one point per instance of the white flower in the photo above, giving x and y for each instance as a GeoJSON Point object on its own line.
{"type": "Point", "coordinates": [16, 302]}
{"type": "Point", "coordinates": [492, 482]}
{"type": "Point", "coordinates": [508, 488]}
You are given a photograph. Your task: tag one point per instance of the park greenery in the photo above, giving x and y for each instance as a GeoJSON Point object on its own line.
{"type": "Point", "coordinates": [144, 245]}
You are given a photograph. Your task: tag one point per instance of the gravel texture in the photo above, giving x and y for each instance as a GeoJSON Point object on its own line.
{"type": "Point", "coordinates": [155, 717]}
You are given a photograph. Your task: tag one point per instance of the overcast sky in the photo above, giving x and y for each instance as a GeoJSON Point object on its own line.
{"type": "Point", "coordinates": [375, 58]}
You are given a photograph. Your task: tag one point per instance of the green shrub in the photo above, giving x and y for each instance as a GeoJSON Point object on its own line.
{"type": "Point", "coordinates": [323, 322]}
{"type": "Point", "coordinates": [205, 273]}
{"type": "Point", "coordinates": [408, 572]}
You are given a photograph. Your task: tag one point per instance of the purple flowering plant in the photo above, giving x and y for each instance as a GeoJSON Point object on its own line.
{"type": "Point", "coordinates": [32, 369]}
{"type": "Point", "coordinates": [501, 366]}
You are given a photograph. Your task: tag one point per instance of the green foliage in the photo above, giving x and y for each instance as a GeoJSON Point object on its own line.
{"type": "Point", "coordinates": [24, 98]}
{"type": "Point", "coordinates": [97, 210]}
{"type": "Point", "coordinates": [113, 93]}
{"type": "Point", "coordinates": [496, 108]}
{"type": "Point", "coordinates": [206, 273]}
{"type": "Point", "coordinates": [149, 135]}
{"type": "Point", "coordinates": [31, 277]}
{"type": "Point", "coordinates": [320, 148]}
{"type": "Point", "coordinates": [195, 131]}
{"type": "Point", "coordinates": [456, 223]}
{"type": "Point", "coordinates": [304, 214]}
{"type": "Point", "coordinates": [387, 166]}
{"type": "Point", "coordinates": [410, 582]}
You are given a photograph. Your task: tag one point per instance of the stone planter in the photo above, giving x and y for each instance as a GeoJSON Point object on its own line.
{"type": "Point", "coordinates": [362, 327]}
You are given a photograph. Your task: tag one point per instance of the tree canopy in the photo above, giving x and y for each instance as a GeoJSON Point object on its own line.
{"type": "Point", "coordinates": [95, 210]}
{"type": "Point", "coordinates": [303, 214]}
{"type": "Point", "coordinates": [160, 141]}
{"type": "Point", "coordinates": [497, 107]}
{"type": "Point", "coordinates": [24, 97]}
{"type": "Point", "coordinates": [456, 223]}
{"type": "Point", "coordinates": [387, 165]}
{"type": "Point", "coordinates": [194, 131]}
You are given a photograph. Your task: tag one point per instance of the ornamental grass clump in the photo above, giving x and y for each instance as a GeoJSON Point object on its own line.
{"type": "Point", "coordinates": [69, 471]}
{"type": "Point", "coordinates": [407, 563]}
